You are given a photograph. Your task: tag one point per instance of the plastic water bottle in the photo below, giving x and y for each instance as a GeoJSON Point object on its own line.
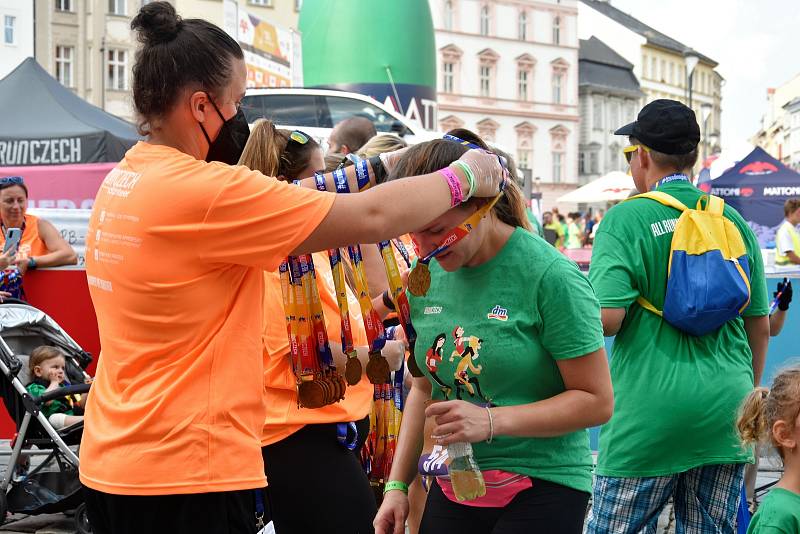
{"type": "Point", "coordinates": [465, 475]}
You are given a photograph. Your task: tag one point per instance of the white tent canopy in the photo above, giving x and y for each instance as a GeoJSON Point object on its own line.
{"type": "Point", "coordinates": [612, 187]}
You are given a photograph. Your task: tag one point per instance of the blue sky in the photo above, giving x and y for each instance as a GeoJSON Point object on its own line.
{"type": "Point", "coordinates": [756, 42]}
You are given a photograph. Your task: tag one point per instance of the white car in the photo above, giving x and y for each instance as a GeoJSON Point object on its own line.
{"type": "Point", "coordinates": [317, 111]}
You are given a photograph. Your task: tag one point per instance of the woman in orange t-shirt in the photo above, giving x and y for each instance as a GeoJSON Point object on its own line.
{"type": "Point", "coordinates": [305, 450]}
{"type": "Point", "coordinates": [41, 245]}
{"type": "Point", "coordinates": [178, 242]}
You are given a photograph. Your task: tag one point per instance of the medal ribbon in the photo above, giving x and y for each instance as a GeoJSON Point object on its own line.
{"type": "Point", "coordinates": [287, 291]}
{"type": "Point", "coordinates": [372, 322]}
{"type": "Point", "coordinates": [306, 364]}
{"type": "Point", "coordinates": [398, 292]}
{"type": "Point", "coordinates": [401, 248]}
{"type": "Point", "coordinates": [337, 270]}
{"type": "Point", "coordinates": [672, 178]}
{"type": "Point", "coordinates": [317, 316]}
{"type": "Point", "coordinates": [461, 231]}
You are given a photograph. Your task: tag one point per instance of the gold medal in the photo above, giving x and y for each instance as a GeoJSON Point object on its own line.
{"type": "Point", "coordinates": [377, 368]}
{"type": "Point", "coordinates": [353, 370]}
{"type": "Point", "coordinates": [419, 280]}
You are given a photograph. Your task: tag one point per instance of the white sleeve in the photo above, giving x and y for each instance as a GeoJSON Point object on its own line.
{"type": "Point", "coordinates": [783, 241]}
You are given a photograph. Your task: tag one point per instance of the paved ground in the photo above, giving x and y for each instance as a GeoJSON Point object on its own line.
{"type": "Point", "coordinates": [64, 524]}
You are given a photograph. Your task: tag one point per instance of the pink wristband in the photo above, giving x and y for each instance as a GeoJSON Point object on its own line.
{"type": "Point", "coordinates": [456, 194]}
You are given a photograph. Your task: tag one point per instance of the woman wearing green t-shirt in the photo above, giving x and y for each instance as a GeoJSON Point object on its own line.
{"type": "Point", "coordinates": [510, 345]}
{"type": "Point", "coordinates": [775, 414]}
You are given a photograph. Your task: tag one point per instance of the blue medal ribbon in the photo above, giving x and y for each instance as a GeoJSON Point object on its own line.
{"type": "Point", "coordinates": [672, 178]}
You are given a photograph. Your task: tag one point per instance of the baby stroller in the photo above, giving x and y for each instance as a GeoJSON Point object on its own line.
{"type": "Point", "coordinates": [52, 486]}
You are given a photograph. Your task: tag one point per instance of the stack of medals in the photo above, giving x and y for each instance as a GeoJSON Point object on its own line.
{"type": "Point", "coordinates": [318, 383]}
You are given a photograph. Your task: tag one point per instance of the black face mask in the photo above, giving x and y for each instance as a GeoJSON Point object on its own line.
{"type": "Point", "coordinates": [230, 141]}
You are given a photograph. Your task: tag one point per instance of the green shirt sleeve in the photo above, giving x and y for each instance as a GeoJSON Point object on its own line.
{"type": "Point", "coordinates": [36, 390]}
{"type": "Point", "coordinates": [569, 313]}
{"type": "Point", "coordinates": [612, 270]}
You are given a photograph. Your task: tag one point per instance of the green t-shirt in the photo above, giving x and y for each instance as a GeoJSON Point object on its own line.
{"type": "Point", "coordinates": [493, 333]}
{"type": "Point", "coordinates": [676, 395]}
{"type": "Point", "coordinates": [778, 513]}
{"type": "Point", "coordinates": [55, 406]}
{"type": "Point", "coordinates": [535, 224]}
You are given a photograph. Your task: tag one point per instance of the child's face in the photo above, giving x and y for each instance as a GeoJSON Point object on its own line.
{"type": "Point", "coordinates": [51, 369]}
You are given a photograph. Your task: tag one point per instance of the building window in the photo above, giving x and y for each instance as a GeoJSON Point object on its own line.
{"type": "Point", "coordinates": [448, 77]}
{"type": "Point", "coordinates": [8, 25]}
{"type": "Point", "coordinates": [597, 120]}
{"type": "Point", "coordinates": [522, 85]}
{"type": "Point", "coordinates": [556, 30]}
{"type": "Point", "coordinates": [485, 20]}
{"type": "Point", "coordinates": [64, 65]}
{"type": "Point", "coordinates": [523, 158]}
{"type": "Point", "coordinates": [663, 71]}
{"type": "Point", "coordinates": [523, 25]}
{"type": "Point", "coordinates": [265, 3]}
{"type": "Point", "coordinates": [486, 80]}
{"type": "Point", "coordinates": [582, 166]}
{"type": "Point", "coordinates": [594, 168]}
{"type": "Point", "coordinates": [671, 73]}
{"type": "Point", "coordinates": [117, 70]}
{"type": "Point", "coordinates": [63, 5]}
{"type": "Point", "coordinates": [558, 83]}
{"type": "Point", "coordinates": [448, 15]}
{"type": "Point", "coordinates": [117, 7]}
{"type": "Point", "coordinates": [557, 166]}
{"type": "Point", "coordinates": [653, 68]}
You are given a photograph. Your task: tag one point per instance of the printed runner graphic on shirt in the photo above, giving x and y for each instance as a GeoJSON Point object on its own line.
{"type": "Point", "coordinates": [465, 376]}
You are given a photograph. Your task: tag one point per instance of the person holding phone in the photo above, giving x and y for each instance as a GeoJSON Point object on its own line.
{"type": "Point", "coordinates": [38, 242]}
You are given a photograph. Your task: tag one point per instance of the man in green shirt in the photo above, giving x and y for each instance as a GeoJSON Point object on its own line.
{"type": "Point", "coordinates": [676, 395]}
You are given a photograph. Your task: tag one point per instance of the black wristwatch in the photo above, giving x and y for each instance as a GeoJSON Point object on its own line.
{"type": "Point", "coordinates": [31, 263]}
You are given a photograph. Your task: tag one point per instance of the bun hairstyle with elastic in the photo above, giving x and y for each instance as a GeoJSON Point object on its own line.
{"type": "Point", "coordinates": [431, 156]}
{"type": "Point", "coordinates": [175, 55]}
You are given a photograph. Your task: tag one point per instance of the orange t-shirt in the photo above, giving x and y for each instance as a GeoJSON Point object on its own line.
{"type": "Point", "coordinates": [283, 416]}
{"type": "Point", "coordinates": [175, 255]}
{"type": "Point", "coordinates": [31, 245]}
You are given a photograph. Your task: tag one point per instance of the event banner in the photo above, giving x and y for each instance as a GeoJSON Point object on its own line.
{"type": "Point", "coordinates": [272, 54]}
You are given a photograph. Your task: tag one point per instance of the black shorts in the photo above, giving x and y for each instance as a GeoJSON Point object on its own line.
{"type": "Point", "coordinates": [544, 507]}
{"type": "Point", "coordinates": [227, 512]}
{"type": "Point", "coordinates": [316, 485]}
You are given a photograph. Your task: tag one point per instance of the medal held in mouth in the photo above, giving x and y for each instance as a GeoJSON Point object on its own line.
{"type": "Point", "coordinates": [419, 279]}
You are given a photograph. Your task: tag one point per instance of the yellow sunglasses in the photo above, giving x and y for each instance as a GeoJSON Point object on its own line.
{"type": "Point", "coordinates": [628, 151]}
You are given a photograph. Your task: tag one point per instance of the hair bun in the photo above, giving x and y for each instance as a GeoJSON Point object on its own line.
{"type": "Point", "coordinates": [156, 23]}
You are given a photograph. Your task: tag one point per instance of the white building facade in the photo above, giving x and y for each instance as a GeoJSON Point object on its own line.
{"type": "Point", "coordinates": [16, 40]}
{"type": "Point", "coordinates": [508, 70]}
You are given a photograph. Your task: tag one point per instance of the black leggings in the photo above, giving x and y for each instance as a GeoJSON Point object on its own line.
{"type": "Point", "coordinates": [545, 508]}
{"type": "Point", "coordinates": [314, 484]}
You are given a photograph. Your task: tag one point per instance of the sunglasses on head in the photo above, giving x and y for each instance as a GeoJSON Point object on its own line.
{"type": "Point", "coordinates": [11, 180]}
{"type": "Point", "coordinates": [298, 137]}
{"type": "Point", "coordinates": [629, 151]}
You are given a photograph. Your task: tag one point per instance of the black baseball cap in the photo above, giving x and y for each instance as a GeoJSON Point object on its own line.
{"type": "Point", "coordinates": [666, 126]}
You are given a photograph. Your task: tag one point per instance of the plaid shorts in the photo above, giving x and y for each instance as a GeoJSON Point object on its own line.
{"type": "Point", "coordinates": [706, 499]}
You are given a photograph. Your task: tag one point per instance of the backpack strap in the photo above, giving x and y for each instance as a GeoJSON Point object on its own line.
{"type": "Point", "coordinates": [672, 202]}
{"type": "Point", "coordinates": [663, 198]}
{"type": "Point", "coordinates": [644, 303]}
{"type": "Point", "coordinates": [714, 205]}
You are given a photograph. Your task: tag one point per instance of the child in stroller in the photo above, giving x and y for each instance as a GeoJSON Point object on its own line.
{"type": "Point", "coordinates": [47, 366]}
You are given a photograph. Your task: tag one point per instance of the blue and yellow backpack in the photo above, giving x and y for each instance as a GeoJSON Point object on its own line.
{"type": "Point", "coordinates": [708, 277]}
